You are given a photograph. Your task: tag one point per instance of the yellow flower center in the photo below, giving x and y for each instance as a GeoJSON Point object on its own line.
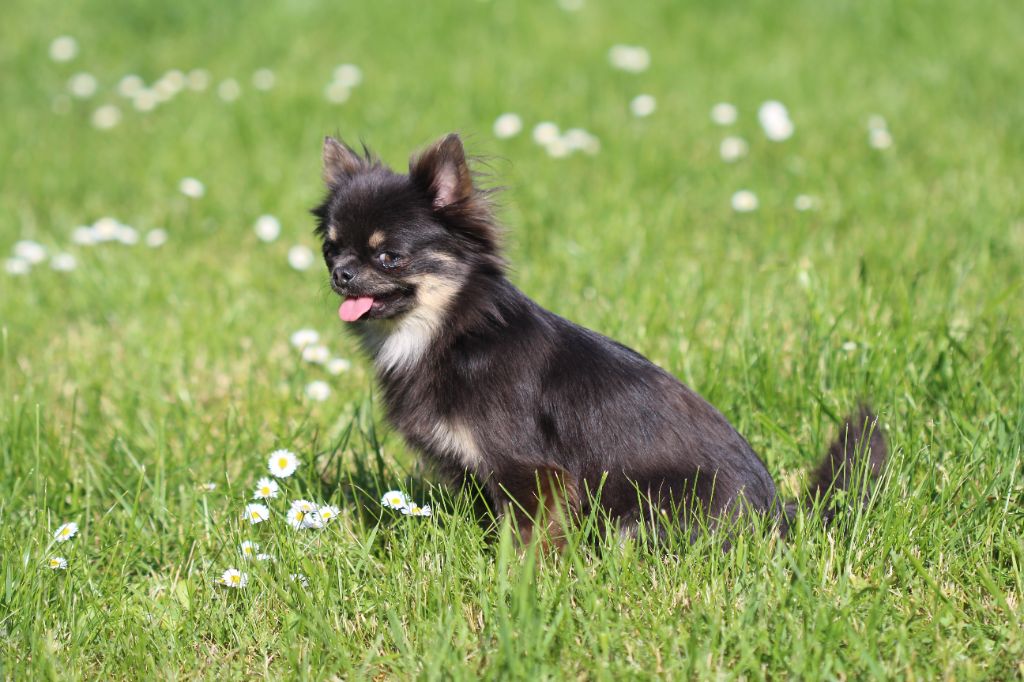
{"type": "Point", "coordinates": [235, 579]}
{"type": "Point", "coordinates": [282, 462]}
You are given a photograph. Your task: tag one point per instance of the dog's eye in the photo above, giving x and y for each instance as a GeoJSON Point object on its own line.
{"type": "Point", "coordinates": [388, 259]}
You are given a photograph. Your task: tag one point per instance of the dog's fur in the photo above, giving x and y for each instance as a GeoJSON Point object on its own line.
{"type": "Point", "coordinates": [488, 384]}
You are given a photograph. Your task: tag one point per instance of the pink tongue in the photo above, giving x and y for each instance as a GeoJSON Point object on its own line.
{"type": "Point", "coordinates": [354, 308]}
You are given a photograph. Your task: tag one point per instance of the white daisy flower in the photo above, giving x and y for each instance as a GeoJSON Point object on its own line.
{"type": "Point", "coordinates": [106, 117]}
{"type": "Point", "coordinates": [297, 518]}
{"type": "Point", "coordinates": [774, 119]}
{"type": "Point", "coordinates": [804, 202]}
{"type": "Point", "coordinates": [318, 391]}
{"type": "Point", "coordinates": [256, 513]}
{"type": "Point", "coordinates": [63, 49]}
{"type": "Point", "coordinates": [300, 257]}
{"type": "Point", "coordinates": [580, 139]}
{"type": "Point", "coordinates": [312, 519]}
{"type": "Point", "coordinates": [877, 122]}
{"type": "Point", "coordinates": [282, 463]}
{"type": "Point", "coordinates": [328, 513]}
{"type": "Point", "coordinates": [17, 266]}
{"type": "Point", "coordinates": [546, 132]}
{"type": "Point", "coordinates": [208, 487]}
{"type": "Point", "coordinates": [83, 235]}
{"type": "Point", "coordinates": [66, 532]}
{"type": "Point", "coordinates": [229, 90]}
{"type": "Point", "coordinates": [83, 85]}
{"type": "Point", "coordinates": [723, 114]}
{"type": "Point", "coordinates": [234, 578]}
{"type": "Point", "coordinates": [267, 228]}
{"type": "Point", "coordinates": [299, 578]}
{"type": "Point", "coordinates": [338, 366]}
{"type": "Point", "coordinates": [304, 337]}
{"type": "Point", "coordinates": [414, 509]}
{"type": "Point", "coordinates": [130, 85]}
{"type": "Point", "coordinates": [394, 499]}
{"type": "Point", "coordinates": [571, 5]}
{"type": "Point", "coordinates": [198, 79]}
{"type": "Point", "coordinates": [744, 201]}
{"type": "Point", "coordinates": [303, 505]}
{"type": "Point", "coordinates": [263, 556]}
{"type": "Point", "coordinates": [732, 149]}
{"type": "Point", "coordinates": [558, 148]}
{"type": "Point", "coordinates": [145, 100]}
{"type": "Point", "coordinates": [879, 138]}
{"type": "Point", "coordinates": [191, 188]}
{"type": "Point", "coordinates": [128, 235]}
{"type": "Point", "coordinates": [348, 75]}
{"type": "Point", "coordinates": [632, 58]}
{"type": "Point", "coordinates": [156, 238]}
{"type": "Point", "coordinates": [316, 354]}
{"type": "Point", "coordinates": [58, 563]}
{"type": "Point", "coordinates": [248, 549]}
{"type": "Point", "coordinates": [105, 229]}
{"type": "Point", "coordinates": [263, 79]}
{"type": "Point", "coordinates": [643, 105]}
{"type": "Point", "coordinates": [850, 346]}
{"type": "Point", "coordinates": [337, 93]}
{"type": "Point", "coordinates": [30, 251]}
{"type": "Point", "coordinates": [266, 489]}
{"type": "Point", "coordinates": [508, 125]}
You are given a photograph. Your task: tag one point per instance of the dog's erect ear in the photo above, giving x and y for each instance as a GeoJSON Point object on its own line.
{"type": "Point", "coordinates": [443, 172]}
{"type": "Point", "coordinates": [340, 162]}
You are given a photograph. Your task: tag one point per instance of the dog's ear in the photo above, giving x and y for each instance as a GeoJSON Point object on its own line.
{"type": "Point", "coordinates": [341, 162]}
{"type": "Point", "coordinates": [443, 173]}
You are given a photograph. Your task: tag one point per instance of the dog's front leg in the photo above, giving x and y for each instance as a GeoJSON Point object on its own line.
{"type": "Point", "coordinates": [543, 498]}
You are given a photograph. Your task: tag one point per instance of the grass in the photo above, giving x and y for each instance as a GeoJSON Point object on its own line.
{"type": "Point", "coordinates": [130, 382]}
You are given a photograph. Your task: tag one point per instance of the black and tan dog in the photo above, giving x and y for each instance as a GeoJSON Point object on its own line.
{"type": "Point", "coordinates": [487, 383]}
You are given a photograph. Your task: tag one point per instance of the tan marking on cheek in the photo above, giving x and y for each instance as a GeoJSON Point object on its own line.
{"type": "Point", "coordinates": [376, 239]}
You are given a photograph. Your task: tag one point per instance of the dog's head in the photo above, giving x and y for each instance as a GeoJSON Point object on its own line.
{"type": "Point", "coordinates": [401, 246]}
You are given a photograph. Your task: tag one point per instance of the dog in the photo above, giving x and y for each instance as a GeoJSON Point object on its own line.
{"type": "Point", "coordinates": [543, 414]}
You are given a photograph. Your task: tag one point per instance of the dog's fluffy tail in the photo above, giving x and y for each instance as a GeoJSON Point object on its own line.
{"type": "Point", "coordinates": [859, 450]}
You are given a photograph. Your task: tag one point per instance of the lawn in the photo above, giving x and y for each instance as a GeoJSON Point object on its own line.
{"type": "Point", "coordinates": [877, 254]}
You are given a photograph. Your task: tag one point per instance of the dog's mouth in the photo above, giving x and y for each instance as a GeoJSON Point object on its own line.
{"type": "Point", "coordinates": [358, 308]}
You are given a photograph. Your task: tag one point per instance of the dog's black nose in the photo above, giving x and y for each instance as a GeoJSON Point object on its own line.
{"type": "Point", "coordinates": [343, 274]}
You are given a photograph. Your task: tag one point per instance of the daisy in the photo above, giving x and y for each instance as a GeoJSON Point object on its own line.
{"type": "Point", "coordinates": [256, 513]}
{"type": "Point", "coordinates": [208, 487]}
{"type": "Point", "coordinates": [63, 49]}
{"type": "Point", "coordinates": [348, 75]}
{"type": "Point", "coordinates": [300, 257]}
{"type": "Point", "coordinates": [578, 138]}
{"type": "Point", "coordinates": [774, 118]}
{"type": "Point", "coordinates": [106, 117]}
{"type": "Point", "coordinates": [629, 58]}
{"type": "Point", "coordinates": [191, 188]}
{"type": "Point", "coordinates": [58, 563]}
{"type": "Point", "coordinates": [229, 90]}
{"type": "Point", "coordinates": [263, 79]}
{"type": "Point", "coordinates": [732, 149]}
{"type": "Point", "coordinates": [198, 79]}
{"type": "Point", "coordinates": [312, 519]}
{"type": "Point", "coordinates": [248, 549]}
{"type": "Point", "coordinates": [128, 235]}
{"type": "Point", "coordinates": [744, 201]}
{"type": "Point", "coordinates": [316, 354]}
{"type": "Point", "coordinates": [508, 125]}
{"type": "Point", "coordinates": [156, 238]}
{"type": "Point", "coordinates": [30, 251]}
{"type": "Point", "coordinates": [130, 85]}
{"type": "Point", "coordinates": [723, 114]}
{"type": "Point", "coordinates": [337, 93]}
{"type": "Point", "coordinates": [299, 578]}
{"type": "Point", "coordinates": [804, 202]}
{"type": "Point", "coordinates": [304, 337]}
{"type": "Point", "coordinates": [266, 489]}
{"type": "Point", "coordinates": [643, 105]}
{"type": "Point", "coordinates": [318, 391]}
{"type": "Point", "coordinates": [83, 235]}
{"type": "Point", "coordinates": [105, 229]}
{"type": "Point", "coordinates": [17, 266]}
{"type": "Point", "coordinates": [263, 556]}
{"type": "Point", "coordinates": [338, 365]}
{"type": "Point", "coordinates": [267, 228]}
{"type": "Point", "coordinates": [546, 132]}
{"type": "Point", "coordinates": [328, 513]}
{"type": "Point", "coordinates": [83, 85]}
{"type": "Point", "coordinates": [297, 518]}
{"type": "Point", "coordinates": [395, 499]}
{"type": "Point", "coordinates": [416, 510]}
{"type": "Point", "coordinates": [66, 532]}
{"type": "Point", "coordinates": [282, 463]}
{"type": "Point", "coordinates": [234, 578]}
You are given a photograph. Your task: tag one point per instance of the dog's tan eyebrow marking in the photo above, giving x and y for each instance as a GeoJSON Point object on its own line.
{"type": "Point", "coordinates": [376, 239]}
{"type": "Point", "coordinates": [332, 232]}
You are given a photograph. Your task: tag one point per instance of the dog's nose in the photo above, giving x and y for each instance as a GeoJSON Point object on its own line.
{"type": "Point", "coordinates": [343, 274]}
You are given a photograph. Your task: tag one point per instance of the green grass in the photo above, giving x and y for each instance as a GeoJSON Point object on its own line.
{"type": "Point", "coordinates": [145, 373]}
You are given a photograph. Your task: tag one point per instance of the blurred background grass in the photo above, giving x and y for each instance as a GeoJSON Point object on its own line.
{"type": "Point", "coordinates": [903, 286]}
